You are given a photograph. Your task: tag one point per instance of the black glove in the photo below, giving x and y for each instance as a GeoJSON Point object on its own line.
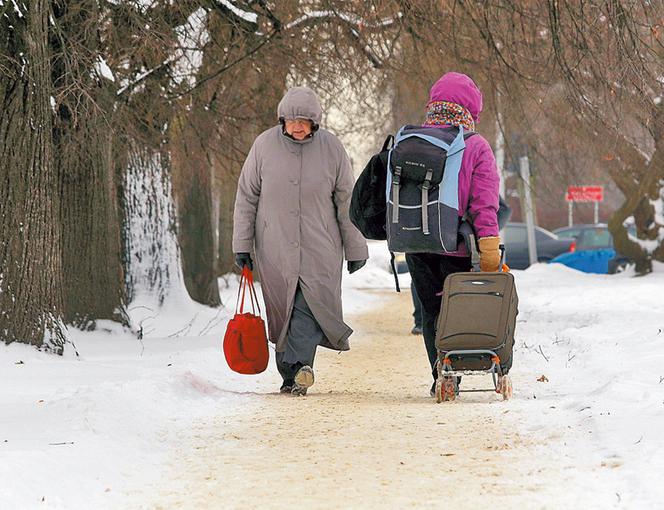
{"type": "Point", "coordinates": [354, 265]}
{"type": "Point", "coordinates": [244, 259]}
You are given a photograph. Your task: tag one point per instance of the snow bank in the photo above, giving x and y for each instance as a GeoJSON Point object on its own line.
{"type": "Point", "coordinates": [598, 341]}
{"type": "Point", "coordinates": [91, 432]}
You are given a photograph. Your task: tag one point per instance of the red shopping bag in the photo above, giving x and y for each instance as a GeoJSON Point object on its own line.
{"type": "Point", "coordinates": [245, 341]}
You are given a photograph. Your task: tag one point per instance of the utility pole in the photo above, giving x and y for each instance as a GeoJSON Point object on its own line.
{"type": "Point", "coordinates": [524, 167]}
{"type": "Point", "coordinates": [500, 146]}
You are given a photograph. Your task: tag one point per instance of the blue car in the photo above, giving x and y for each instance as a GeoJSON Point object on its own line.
{"type": "Point", "coordinates": [592, 250]}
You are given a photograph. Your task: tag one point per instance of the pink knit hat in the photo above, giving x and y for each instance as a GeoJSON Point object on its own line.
{"type": "Point", "coordinates": [460, 89]}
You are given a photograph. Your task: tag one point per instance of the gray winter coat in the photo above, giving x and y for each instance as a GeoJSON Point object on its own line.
{"type": "Point", "coordinates": [292, 208]}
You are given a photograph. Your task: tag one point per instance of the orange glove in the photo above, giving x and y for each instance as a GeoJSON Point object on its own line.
{"type": "Point", "coordinates": [489, 254]}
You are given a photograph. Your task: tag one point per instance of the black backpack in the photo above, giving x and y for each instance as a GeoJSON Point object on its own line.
{"type": "Point", "coordinates": [367, 204]}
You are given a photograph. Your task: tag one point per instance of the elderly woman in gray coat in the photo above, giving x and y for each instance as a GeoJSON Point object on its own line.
{"type": "Point", "coordinates": [291, 209]}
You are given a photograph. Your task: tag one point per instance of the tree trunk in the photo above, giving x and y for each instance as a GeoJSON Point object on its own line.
{"type": "Point", "coordinates": [644, 201]}
{"type": "Point", "coordinates": [192, 182]}
{"type": "Point", "coordinates": [658, 220]}
{"type": "Point", "coordinates": [93, 277]}
{"type": "Point", "coordinates": [152, 258]}
{"type": "Point", "coordinates": [637, 204]}
{"type": "Point", "coordinates": [31, 306]}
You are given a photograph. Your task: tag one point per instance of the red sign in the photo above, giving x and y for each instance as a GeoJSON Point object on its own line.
{"type": "Point", "coordinates": [585, 194]}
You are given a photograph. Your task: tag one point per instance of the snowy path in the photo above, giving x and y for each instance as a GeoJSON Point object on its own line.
{"type": "Point", "coordinates": [368, 435]}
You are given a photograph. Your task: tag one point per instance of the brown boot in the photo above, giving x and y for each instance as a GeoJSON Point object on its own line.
{"type": "Point", "coordinates": [304, 378]}
{"type": "Point", "coordinates": [445, 389]}
{"type": "Point", "coordinates": [504, 386]}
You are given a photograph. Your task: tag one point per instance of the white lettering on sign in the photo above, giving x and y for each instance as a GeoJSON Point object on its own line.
{"type": "Point", "coordinates": [585, 194]}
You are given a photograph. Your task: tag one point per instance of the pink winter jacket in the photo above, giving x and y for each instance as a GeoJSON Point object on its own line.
{"type": "Point", "coordinates": [478, 178]}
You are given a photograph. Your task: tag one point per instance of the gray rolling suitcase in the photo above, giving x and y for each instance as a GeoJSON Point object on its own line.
{"type": "Point", "coordinates": [475, 329]}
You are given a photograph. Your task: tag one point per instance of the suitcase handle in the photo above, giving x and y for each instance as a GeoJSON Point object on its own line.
{"type": "Point", "coordinates": [466, 231]}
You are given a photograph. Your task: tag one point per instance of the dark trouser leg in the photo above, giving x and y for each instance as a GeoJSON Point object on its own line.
{"type": "Point", "coordinates": [428, 271]}
{"type": "Point", "coordinates": [427, 278]}
{"type": "Point", "coordinates": [417, 306]}
{"type": "Point", "coordinates": [286, 370]}
{"type": "Point", "coordinates": [304, 335]}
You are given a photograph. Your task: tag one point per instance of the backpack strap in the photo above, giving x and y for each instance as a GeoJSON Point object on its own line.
{"type": "Point", "coordinates": [431, 139]}
{"type": "Point", "coordinates": [426, 186]}
{"type": "Point", "coordinates": [394, 272]}
{"type": "Point", "coordinates": [396, 180]}
{"type": "Point", "coordinates": [448, 193]}
{"type": "Point", "coordinates": [388, 143]}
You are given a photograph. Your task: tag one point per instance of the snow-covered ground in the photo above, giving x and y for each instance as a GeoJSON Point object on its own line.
{"type": "Point", "coordinates": [93, 431]}
{"type": "Point", "coordinates": [598, 340]}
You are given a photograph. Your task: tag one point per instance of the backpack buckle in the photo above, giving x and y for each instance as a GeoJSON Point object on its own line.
{"type": "Point", "coordinates": [396, 179]}
{"type": "Point", "coordinates": [426, 185]}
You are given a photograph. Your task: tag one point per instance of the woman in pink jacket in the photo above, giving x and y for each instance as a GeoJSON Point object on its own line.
{"type": "Point", "coordinates": [455, 100]}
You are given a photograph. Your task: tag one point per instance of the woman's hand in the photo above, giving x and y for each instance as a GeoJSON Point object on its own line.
{"type": "Point", "coordinates": [244, 259]}
{"type": "Point", "coordinates": [489, 253]}
{"type": "Point", "coordinates": [354, 265]}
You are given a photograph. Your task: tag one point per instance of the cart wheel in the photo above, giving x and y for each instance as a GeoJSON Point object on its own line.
{"type": "Point", "coordinates": [448, 388]}
{"type": "Point", "coordinates": [439, 391]}
{"type": "Point", "coordinates": [505, 386]}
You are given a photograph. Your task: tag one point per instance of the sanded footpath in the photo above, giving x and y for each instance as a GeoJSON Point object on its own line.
{"type": "Point", "coordinates": [369, 436]}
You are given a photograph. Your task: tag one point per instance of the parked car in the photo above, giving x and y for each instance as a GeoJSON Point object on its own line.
{"type": "Point", "coordinates": [596, 244]}
{"type": "Point", "coordinates": [590, 236]}
{"type": "Point", "coordinates": [549, 246]}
